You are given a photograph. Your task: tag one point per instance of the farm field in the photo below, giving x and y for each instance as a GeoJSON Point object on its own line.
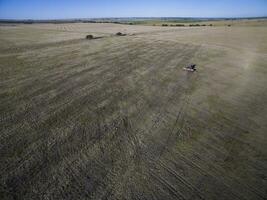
{"type": "Point", "coordinates": [119, 118]}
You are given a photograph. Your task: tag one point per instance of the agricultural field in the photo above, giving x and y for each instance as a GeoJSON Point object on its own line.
{"type": "Point", "coordinates": [118, 118]}
{"type": "Point", "coordinates": [258, 22]}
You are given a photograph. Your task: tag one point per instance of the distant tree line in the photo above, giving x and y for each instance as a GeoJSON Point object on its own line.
{"type": "Point", "coordinates": [173, 25]}
{"type": "Point", "coordinates": [182, 25]}
{"type": "Point", "coordinates": [201, 25]}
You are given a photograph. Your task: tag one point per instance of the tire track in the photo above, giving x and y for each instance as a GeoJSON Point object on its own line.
{"type": "Point", "coordinates": [167, 185]}
{"type": "Point", "coordinates": [210, 173]}
{"type": "Point", "coordinates": [181, 179]}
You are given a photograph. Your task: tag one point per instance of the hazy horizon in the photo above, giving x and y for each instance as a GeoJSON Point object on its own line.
{"type": "Point", "coordinates": [81, 9]}
{"type": "Point", "coordinates": [141, 18]}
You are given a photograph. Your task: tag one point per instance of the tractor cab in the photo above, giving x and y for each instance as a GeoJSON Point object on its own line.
{"type": "Point", "coordinates": [191, 68]}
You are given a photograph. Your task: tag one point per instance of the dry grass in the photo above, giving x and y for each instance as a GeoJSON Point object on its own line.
{"type": "Point", "coordinates": [118, 118]}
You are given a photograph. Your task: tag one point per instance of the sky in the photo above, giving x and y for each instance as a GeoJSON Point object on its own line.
{"type": "Point", "coordinates": [69, 9]}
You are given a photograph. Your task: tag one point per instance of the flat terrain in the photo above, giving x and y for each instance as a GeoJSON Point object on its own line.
{"type": "Point", "coordinates": [118, 118]}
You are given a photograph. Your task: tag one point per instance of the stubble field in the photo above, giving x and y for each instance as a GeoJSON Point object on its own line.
{"type": "Point", "coordinates": [119, 118]}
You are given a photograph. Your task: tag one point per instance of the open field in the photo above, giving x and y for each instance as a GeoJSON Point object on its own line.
{"type": "Point", "coordinates": [118, 118]}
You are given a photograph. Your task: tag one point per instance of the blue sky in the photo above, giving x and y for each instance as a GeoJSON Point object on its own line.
{"type": "Point", "coordinates": [62, 9]}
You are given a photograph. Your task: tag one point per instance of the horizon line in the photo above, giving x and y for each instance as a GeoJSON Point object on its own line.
{"type": "Point", "coordinates": [90, 18]}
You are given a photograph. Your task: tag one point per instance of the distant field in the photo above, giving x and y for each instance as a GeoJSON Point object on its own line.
{"type": "Point", "coordinates": [193, 22]}
{"type": "Point", "coordinates": [119, 118]}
